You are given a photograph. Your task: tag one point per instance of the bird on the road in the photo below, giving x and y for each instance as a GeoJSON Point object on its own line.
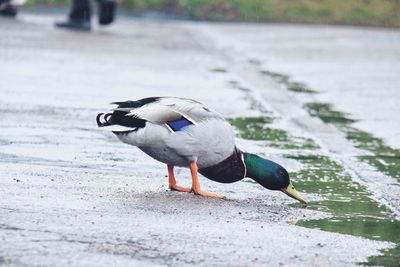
{"type": "Point", "coordinates": [183, 132]}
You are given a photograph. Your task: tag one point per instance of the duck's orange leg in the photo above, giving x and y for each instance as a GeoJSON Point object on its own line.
{"type": "Point", "coordinates": [172, 181]}
{"type": "Point", "coordinates": [196, 185]}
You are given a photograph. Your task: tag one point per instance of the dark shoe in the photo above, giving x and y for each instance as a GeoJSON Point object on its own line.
{"type": "Point", "coordinates": [107, 10]}
{"type": "Point", "coordinates": [7, 10]}
{"type": "Point", "coordinates": [80, 25]}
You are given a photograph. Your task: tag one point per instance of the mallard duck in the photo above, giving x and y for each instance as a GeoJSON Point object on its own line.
{"type": "Point", "coordinates": [183, 132]}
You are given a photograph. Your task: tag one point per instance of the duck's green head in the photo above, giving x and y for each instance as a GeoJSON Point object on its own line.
{"type": "Point", "coordinates": [270, 175]}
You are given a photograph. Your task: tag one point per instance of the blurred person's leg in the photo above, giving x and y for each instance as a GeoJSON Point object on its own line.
{"type": "Point", "coordinates": [7, 9]}
{"type": "Point", "coordinates": [80, 10]}
{"type": "Point", "coordinates": [107, 9]}
{"type": "Point", "coordinates": [79, 16]}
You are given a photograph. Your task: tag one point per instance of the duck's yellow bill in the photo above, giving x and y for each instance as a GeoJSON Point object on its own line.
{"type": "Point", "coordinates": [291, 192]}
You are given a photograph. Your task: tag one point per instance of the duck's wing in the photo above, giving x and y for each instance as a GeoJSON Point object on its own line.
{"type": "Point", "coordinates": [166, 109]}
{"type": "Point", "coordinates": [172, 112]}
{"type": "Point", "coordinates": [191, 109]}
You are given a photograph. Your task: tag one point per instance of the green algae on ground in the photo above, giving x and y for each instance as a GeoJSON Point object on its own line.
{"type": "Point", "coordinates": [390, 257]}
{"type": "Point", "coordinates": [353, 211]}
{"type": "Point", "coordinates": [284, 79]}
{"type": "Point", "coordinates": [327, 114]}
{"type": "Point", "coordinates": [255, 128]}
{"type": "Point", "coordinates": [278, 77]}
{"type": "Point", "coordinates": [299, 88]}
{"type": "Point", "coordinates": [384, 158]}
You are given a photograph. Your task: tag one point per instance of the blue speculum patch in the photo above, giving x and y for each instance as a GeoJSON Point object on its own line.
{"type": "Point", "coordinates": [179, 124]}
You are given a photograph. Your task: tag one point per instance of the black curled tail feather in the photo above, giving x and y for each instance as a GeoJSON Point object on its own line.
{"type": "Point", "coordinates": [119, 118]}
{"type": "Point", "coordinates": [106, 119]}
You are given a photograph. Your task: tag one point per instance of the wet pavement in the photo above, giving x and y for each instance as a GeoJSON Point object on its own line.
{"type": "Point", "coordinates": [74, 195]}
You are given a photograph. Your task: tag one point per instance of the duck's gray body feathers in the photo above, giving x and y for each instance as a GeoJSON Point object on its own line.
{"type": "Point", "coordinates": [155, 126]}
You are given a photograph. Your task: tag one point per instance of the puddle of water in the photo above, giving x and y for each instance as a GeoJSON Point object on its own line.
{"type": "Point", "coordinates": [384, 158]}
{"type": "Point", "coordinates": [354, 212]}
{"type": "Point", "coordinates": [342, 196]}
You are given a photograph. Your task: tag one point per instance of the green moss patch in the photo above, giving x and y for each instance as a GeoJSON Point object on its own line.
{"type": "Point", "coordinates": [327, 114]}
{"type": "Point", "coordinates": [284, 79]}
{"type": "Point", "coordinates": [256, 128]}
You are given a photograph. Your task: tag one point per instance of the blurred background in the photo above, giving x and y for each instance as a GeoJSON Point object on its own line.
{"type": "Point", "coordinates": [355, 12]}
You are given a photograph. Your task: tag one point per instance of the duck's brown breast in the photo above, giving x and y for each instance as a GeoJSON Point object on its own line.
{"type": "Point", "coordinates": [230, 170]}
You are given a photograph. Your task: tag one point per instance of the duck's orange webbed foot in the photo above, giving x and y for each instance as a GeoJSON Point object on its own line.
{"type": "Point", "coordinates": [196, 185]}
{"type": "Point", "coordinates": [172, 181]}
